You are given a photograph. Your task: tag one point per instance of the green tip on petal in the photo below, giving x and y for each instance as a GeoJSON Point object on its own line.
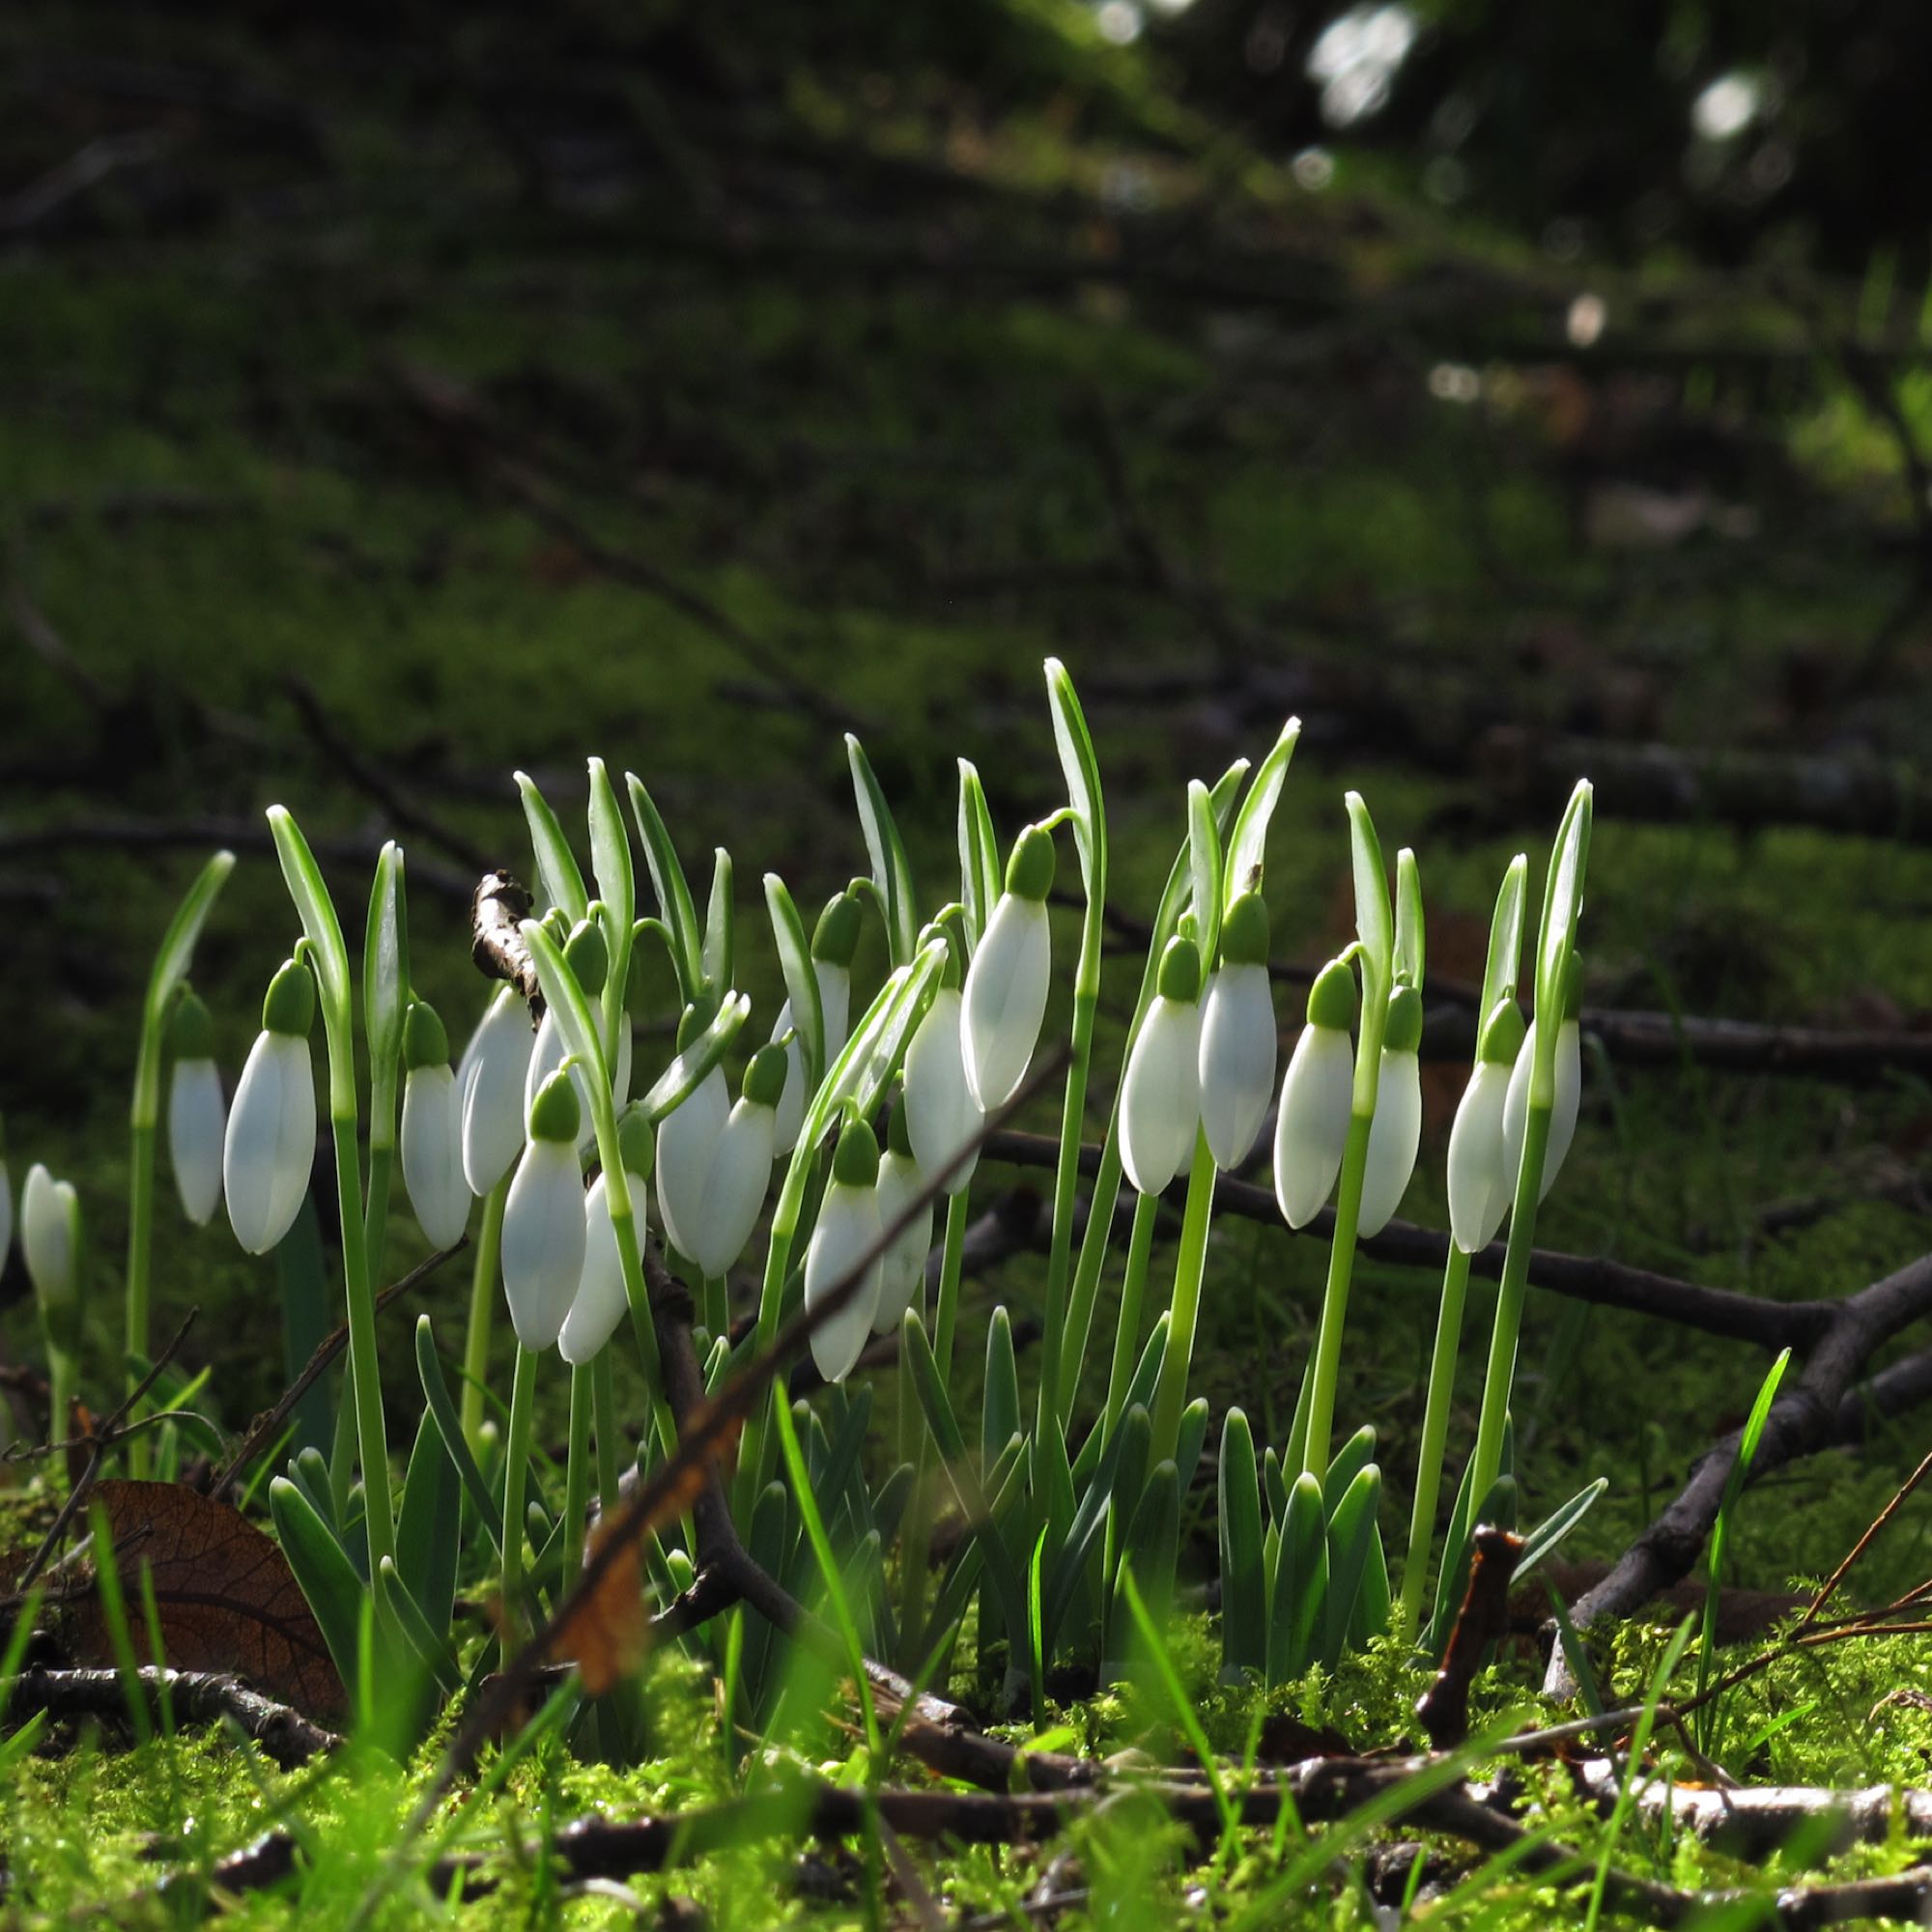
{"type": "Point", "coordinates": [836, 937]}
{"type": "Point", "coordinates": [1402, 1032]}
{"type": "Point", "coordinates": [637, 1142]}
{"type": "Point", "coordinates": [555, 1113]}
{"type": "Point", "coordinates": [1244, 933]}
{"type": "Point", "coordinates": [765, 1077]}
{"type": "Point", "coordinates": [1331, 1000]}
{"type": "Point", "coordinates": [425, 1043]}
{"type": "Point", "coordinates": [587, 956]}
{"type": "Point", "coordinates": [191, 1029]}
{"type": "Point", "coordinates": [1573, 988]}
{"type": "Point", "coordinates": [1030, 869]}
{"type": "Point", "coordinates": [1502, 1035]}
{"type": "Point", "coordinates": [856, 1164]}
{"type": "Point", "coordinates": [1181, 971]}
{"type": "Point", "coordinates": [289, 1007]}
{"type": "Point", "coordinates": [693, 1021]}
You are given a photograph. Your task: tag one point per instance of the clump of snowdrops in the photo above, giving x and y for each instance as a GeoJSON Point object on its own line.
{"type": "Point", "coordinates": [792, 1161]}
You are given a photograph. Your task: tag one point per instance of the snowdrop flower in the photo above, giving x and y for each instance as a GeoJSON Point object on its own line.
{"type": "Point", "coordinates": [601, 1301]}
{"type": "Point", "coordinates": [1238, 1048]}
{"type": "Point", "coordinates": [1397, 1129]}
{"type": "Point", "coordinates": [687, 1139]}
{"type": "Point", "coordinates": [5, 1200]}
{"type": "Point", "coordinates": [1161, 1093]}
{"type": "Point", "coordinates": [903, 1270]}
{"type": "Point", "coordinates": [1568, 1088]}
{"type": "Point", "coordinates": [1312, 1126]}
{"type": "Point", "coordinates": [1005, 998]}
{"type": "Point", "coordinates": [432, 1139]}
{"type": "Point", "coordinates": [51, 1243]}
{"type": "Point", "coordinates": [490, 1082]}
{"type": "Point", "coordinates": [543, 1219]}
{"type": "Point", "coordinates": [269, 1146]}
{"type": "Point", "coordinates": [942, 1116]}
{"type": "Point", "coordinates": [1481, 1180]}
{"type": "Point", "coordinates": [740, 1171]}
{"type": "Point", "coordinates": [847, 1230]}
{"type": "Point", "coordinates": [197, 1114]}
{"type": "Point", "coordinates": [833, 941]}
{"type": "Point", "coordinates": [587, 956]}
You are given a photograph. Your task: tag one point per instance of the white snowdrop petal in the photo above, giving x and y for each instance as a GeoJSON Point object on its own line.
{"type": "Point", "coordinates": [847, 1227]}
{"type": "Point", "coordinates": [268, 1148]}
{"type": "Point", "coordinates": [903, 1270]}
{"type": "Point", "coordinates": [1480, 1180]}
{"type": "Point", "coordinates": [496, 1061]}
{"type": "Point", "coordinates": [432, 1149]}
{"type": "Point", "coordinates": [734, 1189]}
{"type": "Point", "coordinates": [942, 1117]}
{"type": "Point", "coordinates": [1160, 1095]}
{"type": "Point", "coordinates": [686, 1145]}
{"type": "Point", "coordinates": [1004, 1000]}
{"type": "Point", "coordinates": [1393, 1138]}
{"type": "Point", "coordinates": [47, 1234]}
{"type": "Point", "coordinates": [790, 1111]}
{"type": "Point", "coordinates": [1238, 1052]}
{"type": "Point", "coordinates": [835, 1005]}
{"type": "Point", "coordinates": [599, 1303]}
{"type": "Point", "coordinates": [1569, 1094]}
{"type": "Point", "coordinates": [548, 1053]}
{"type": "Point", "coordinates": [197, 1115]}
{"type": "Point", "coordinates": [1312, 1126]}
{"type": "Point", "coordinates": [542, 1241]}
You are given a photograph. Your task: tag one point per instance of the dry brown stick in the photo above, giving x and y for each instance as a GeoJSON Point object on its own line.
{"type": "Point", "coordinates": [1829, 1587]}
{"type": "Point", "coordinates": [1803, 1418]}
{"type": "Point", "coordinates": [195, 1696]}
{"type": "Point", "coordinates": [269, 1425]}
{"type": "Point", "coordinates": [1608, 1284]}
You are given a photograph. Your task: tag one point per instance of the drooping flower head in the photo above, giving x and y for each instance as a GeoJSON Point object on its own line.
{"type": "Point", "coordinates": [50, 1241]}
{"type": "Point", "coordinates": [1397, 1130]}
{"type": "Point", "coordinates": [198, 1113]}
{"type": "Point", "coordinates": [1316, 1094]}
{"type": "Point", "coordinates": [600, 1301]}
{"type": "Point", "coordinates": [1239, 1045]}
{"type": "Point", "coordinates": [903, 1270]}
{"type": "Point", "coordinates": [491, 1083]}
{"type": "Point", "coordinates": [1569, 1069]}
{"type": "Point", "coordinates": [1481, 1181]}
{"type": "Point", "coordinates": [543, 1219]}
{"type": "Point", "coordinates": [432, 1136]}
{"type": "Point", "coordinates": [846, 1231]}
{"type": "Point", "coordinates": [740, 1170]}
{"type": "Point", "coordinates": [1160, 1092]}
{"type": "Point", "coordinates": [942, 1116]}
{"type": "Point", "coordinates": [268, 1148]}
{"type": "Point", "coordinates": [1005, 997]}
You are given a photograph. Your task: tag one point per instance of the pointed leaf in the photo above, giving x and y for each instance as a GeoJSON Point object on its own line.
{"type": "Point", "coordinates": [558, 876]}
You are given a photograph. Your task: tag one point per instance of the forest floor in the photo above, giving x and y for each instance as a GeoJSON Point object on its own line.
{"type": "Point", "coordinates": [382, 416]}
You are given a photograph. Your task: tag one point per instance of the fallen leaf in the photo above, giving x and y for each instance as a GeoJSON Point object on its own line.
{"type": "Point", "coordinates": [605, 1631]}
{"type": "Point", "coordinates": [226, 1597]}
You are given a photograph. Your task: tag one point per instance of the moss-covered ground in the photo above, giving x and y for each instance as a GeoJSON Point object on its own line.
{"type": "Point", "coordinates": [415, 365]}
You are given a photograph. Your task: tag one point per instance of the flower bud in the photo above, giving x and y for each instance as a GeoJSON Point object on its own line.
{"type": "Point", "coordinates": [902, 1269]}
{"type": "Point", "coordinates": [1480, 1182]}
{"type": "Point", "coordinates": [1316, 1095]}
{"type": "Point", "coordinates": [1160, 1092]}
{"type": "Point", "coordinates": [688, 1142]}
{"type": "Point", "coordinates": [544, 1220]}
{"type": "Point", "coordinates": [1005, 997]}
{"type": "Point", "coordinates": [432, 1136]}
{"type": "Point", "coordinates": [942, 1116]}
{"type": "Point", "coordinates": [1239, 1047]}
{"type": "Point", "coordinates": [490, 1082]}
{"type": "Point", "coordinates": [268, 1148]}
{"type": "Point", "coordinates": [600, 1301]}
{"type": "Point", "coordinates": [847, 1231]}
{"type": "Point", "coordinates": [1397, 1129]}
{"type": "Point", "coordinates": [50, 1242]}
{"type": "Point", "coordinates": [740, 1171]}
{"type": "Point", "coordinates": [198, 1113]}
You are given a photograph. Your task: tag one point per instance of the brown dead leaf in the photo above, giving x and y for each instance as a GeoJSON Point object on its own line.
{"type": "Point", "coordinates": [227, 1598]}
{"type": "Point", "coordinates": [605, 1631]}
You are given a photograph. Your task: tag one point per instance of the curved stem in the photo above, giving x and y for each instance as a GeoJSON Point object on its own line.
{"type": "Point", "coordinates": [1100, 1207]}
{"type": "Point", "coordinates": [1072, 1116]}
{"type": "Point", "coordinates": [951, 1258]}
{"type": "Point", "coordinates": [716, 1306]}
{"type": "Point", "coordinates": [1127, 1326]}
{"type": "Point", "coordinates": [576, 1474]}
{"type": "Point", "coordinates": [1170, 1396]}
{"type": "Point", "coordinates": [140, 1247]}
{"type": "Point", "coordinates": [516, 1471]}
{"type": "Point", "coordinates": [1435, 1434]}
{"type": "Point", "coordinates": [482, 1310]}
{"type": "Point", "coordinates": [1501, 1370]}
{"type": "Point", "coordinates": [376, 1222]}
{"type": "Point", "coordinates": [365, 1374]}
{"type": "Point", "coordinates": [1335, 1298]}
{"type": "Point", "coordinates": [604, 1410]}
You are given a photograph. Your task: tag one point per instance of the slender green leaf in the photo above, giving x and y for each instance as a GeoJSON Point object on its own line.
{"type": "Point", "coordinates": [414, 1622]}
{"type": "Point", "coordinates": [1351, 1530]}
{"type": "Point", "coordinates": [575, 1017]}
{"type": "Point", "coordinates": [428, 1524]}
{"type": "Point", "coordinates": [681, 1078]}
{"type": "Point", "coordinates": [720, 923]}
{"type": "Point", "coordinates": [673, 893]}
{"type": "Point", "coordinates": [316, 911]}
{"type": "Point", "coordinates": [1247, 843]}
{"type": "Point", "coordinates": [610, 859]}
{"type": "Point", "coordinates": [980, 878]}
{"type": "Point", "coordinates": [1082, 770]}
{"type": "Point", "coordinates": [328, 1582]}
{"type": "Point", "coordinates": [801, 979]}
{"type": "Point", "coordinates": [1148, 1557]}
{"type": "Point", "coordinates": [1204, 865]}
{"type": "Point", "coordinates": [1556, 1525]}
{"type": "Point", "coordinates": [1408, 927]}
{"type": "Point", "coordinates": [1350, 1460]}
{"type": "Point", "coordinates": [1563, 901]}
{"type": "Point", "coordinates": [892, 875]}
{"type": "Point", "coordinates": [1243, 1586]}
{"type": "Point", "coordinates": [1505, 939]}
{"type": "Point", "coordinates": [172, 960]}
{"type": "Point", "coordinates": [560, 879]}
{"type": "Point", "coordinates": [386, 991]}
{"type": "Point", "coordinates": [449, 1427]}
{"type": "Point", "coordinates": [1000, 1410]}
{"type": "Point", "coordinates": [1373, 926]}
{"type": "Point", "coordinates": [1300, 1583]}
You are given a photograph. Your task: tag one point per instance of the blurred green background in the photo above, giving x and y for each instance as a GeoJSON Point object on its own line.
{"type": "Point", "coordinates": [391, 397]}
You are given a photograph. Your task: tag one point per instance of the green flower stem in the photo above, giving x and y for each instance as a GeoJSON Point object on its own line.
{"type": "Point", "coordinates": [61, 1383]}
{"type": "Point", "coordinates": [630, 1257]}
{"type": "Point", "coordinates": [603, 1412]}
{"type": "Point", "coordinates": [1510, 1293]}
{"type": "Point", "coordinates": [1435, 1433]}
{"type": "Point", "coordinates": [716, 1306]}
{"type": "Point", "coordinates": [1100, 1205]}
{"type": "Point", "coordinates": [1335, 1298]}
{"type": "Point", "coordinates": [576, 1474]}
{"type": "Point", "coordinates": [364, 1375]}
{"type": "Point", "coordinates": [951, 1257]}
{"type": "Point", "coordinates": [515, 1471]}
{"type": "Point", "coordinates": [1128, 1328]}
{"type": "Point", "coordinates": [752, 1449]}
{"type": "Point", "coordinates": [1170, 1395]}
{"type": "Point", "coordinates": [140, 1238]}
{"type": "Point", "coordinates": [1066, 1176]}
{"type": "Point", "coordinates": [482, 1312]}
{"type": "Point", "coordinates": [376, 1222]}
